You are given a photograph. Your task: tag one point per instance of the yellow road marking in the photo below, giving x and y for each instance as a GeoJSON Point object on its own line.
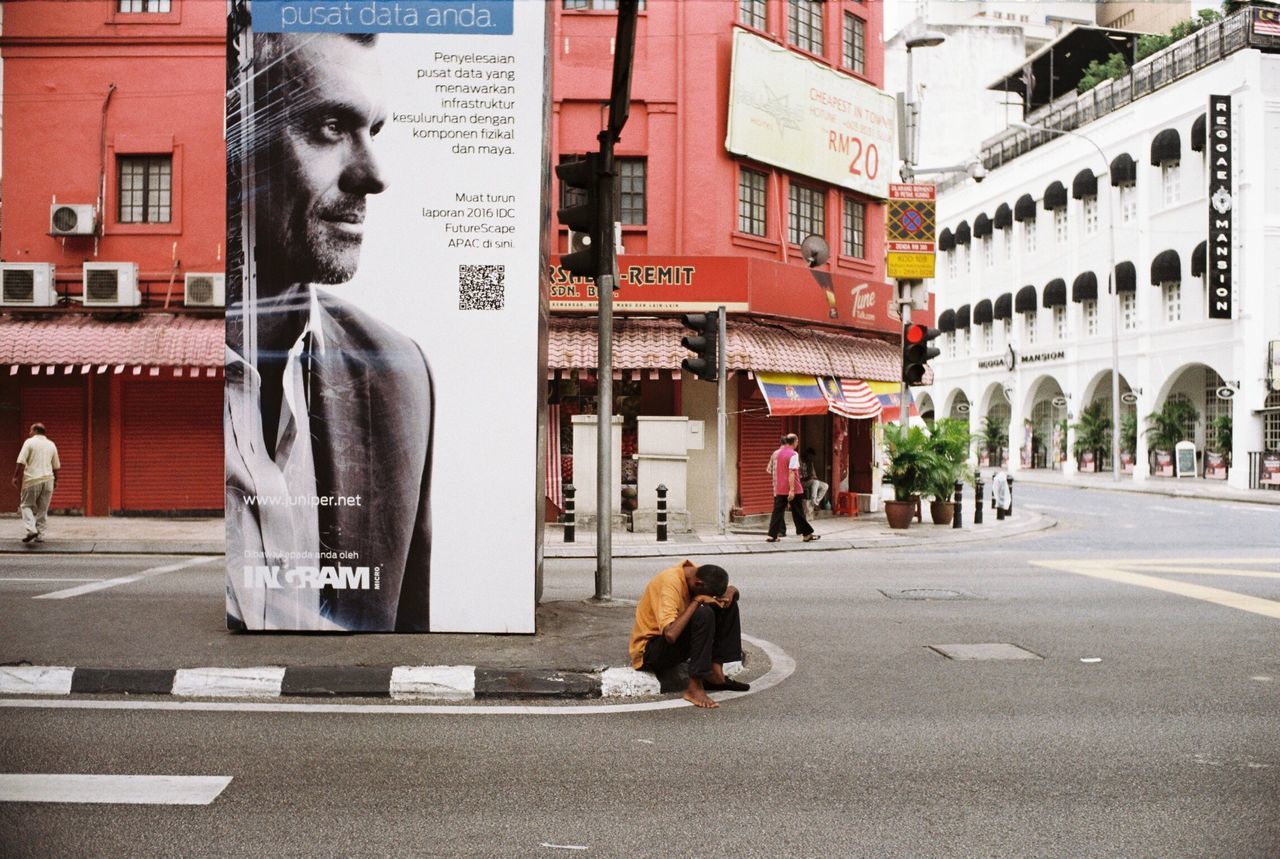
{"type": "Point", "coordinates": [1214, 571]}
{"type": "Point", "coordinates": [1108, 571]}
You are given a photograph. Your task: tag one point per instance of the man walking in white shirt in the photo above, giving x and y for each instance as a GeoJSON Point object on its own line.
{"type": "Point", "coordinates": [37, 474]}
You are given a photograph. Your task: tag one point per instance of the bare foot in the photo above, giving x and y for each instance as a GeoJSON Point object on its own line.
{"type": "Point", "coordinates": [697, 696]}
{"type": "Point", "coordinates": [717, 673]}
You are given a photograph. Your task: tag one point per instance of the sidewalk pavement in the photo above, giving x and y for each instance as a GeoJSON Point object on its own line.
{"type": "Point", "coordinates": [1197, 487]}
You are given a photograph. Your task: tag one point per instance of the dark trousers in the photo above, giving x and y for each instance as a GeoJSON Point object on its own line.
{"type": "Point", "coordinates": [713, 634]}
{"type": "Point", "coordinates": [778, 525]}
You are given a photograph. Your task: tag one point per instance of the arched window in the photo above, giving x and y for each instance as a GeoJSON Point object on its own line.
{"type": "Point", "coordinates": [1271, 422]}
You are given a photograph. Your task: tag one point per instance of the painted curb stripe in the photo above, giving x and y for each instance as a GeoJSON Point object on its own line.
{"type": "Point", "coordinates": [35, 680]}
{"type": "Point", "coordinates": [229, 682]}
{"type": "Point", "coordinates": [118, 789]}
{"type": "Point", "coordinates": [127, 681]}
{"type": "Point", "coordinates": [447, 682]}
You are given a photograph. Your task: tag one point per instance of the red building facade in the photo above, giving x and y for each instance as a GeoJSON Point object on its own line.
{"type": "Point", "coordinates": [112, 241]}
{"type": "Point", "coordinates": [703, 227]}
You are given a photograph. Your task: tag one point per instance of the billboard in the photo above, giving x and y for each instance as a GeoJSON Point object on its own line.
{"type": "Point", "coordinates": [802, 116]}
{"type": "Point", "coordinates": [386, 314]}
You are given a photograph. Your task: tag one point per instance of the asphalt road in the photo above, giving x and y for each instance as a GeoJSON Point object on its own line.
{"type": "Point", "coordinates": [1166, 742]}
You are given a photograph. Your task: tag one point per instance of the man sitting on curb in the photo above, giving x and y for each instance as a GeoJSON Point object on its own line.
{"type": "Point", "coordinates": [690, 613]}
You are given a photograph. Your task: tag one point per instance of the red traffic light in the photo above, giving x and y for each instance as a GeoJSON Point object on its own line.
{"type": "Point", "coordinates": [916, 333]}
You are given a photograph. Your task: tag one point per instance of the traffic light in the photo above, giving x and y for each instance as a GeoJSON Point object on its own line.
{"type": "Point", "coordinates": [705, 344]}
{"type": "Point", "coordinates": [916, 351]}
{"type": "Point", "coordinates": [583, 220]}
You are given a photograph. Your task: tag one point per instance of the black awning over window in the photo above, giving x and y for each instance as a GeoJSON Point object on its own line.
{"type": "Point", "coordinates": [1198, 132]}
{"type": "Point", "coordinates": [1084, 185]}
{"type": "Point", "coordinates": [1085, 287]}
{"type": "Point", "coordinates": [1126, 277]}
{"type": "Point", "coordinates": [1026, 300]}
{"type": "Point", "coordinates": [1055, 196]}
{"type": "Point", "coordinates": [1055, 293]}
{"type": "Point", "coordinates": [1167, 146]}
{"type": "Point", "coordinates": [947, 321]}
{"type": "Point", "coordinates": [982, 312]}
{"type": "Point", "coordinates": [981, 226]}
{"type": "Point", "coordinates": [1025, 208]}
{"type": "Point", "coordinates": [962, 316]}
{"type": "Point", "coordinates": [946, 241]}
{"type": "Point", "coordinates": [1004, 306]}
{"type": "Point", "coordinates": [1124, 170]}
{"type": "Point", "coordinates": [962, 233]}
{"type": "Point", "coordinates": [1003, 219]}
{"type": "Point", "coordinates": [1198, 258]}
{"type": "Point", "coordinates": [1166, 268]}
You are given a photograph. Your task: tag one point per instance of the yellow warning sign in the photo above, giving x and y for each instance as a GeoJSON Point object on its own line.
{"type": "Point", "coordinates": [909, 266]}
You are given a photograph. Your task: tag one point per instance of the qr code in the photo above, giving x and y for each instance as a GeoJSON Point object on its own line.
{"type": "Point", "coordinates": [482, 287]}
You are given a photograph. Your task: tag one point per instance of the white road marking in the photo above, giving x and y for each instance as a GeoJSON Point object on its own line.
{"type": "Point", "coordinates": [781, 666]}
{"type": "Point", "coordinates": [564, 846]}
{"type": "Point", "coordinates": [35, 680]}
{"type": "Point", "coordinates": [1250, 508]}
{"type": "Point", "coordinates": [1164, 509]}
{"type": "Point", "coordinates": [1214, 571]}
{"type": "Point", "coordinates": [46, 579]}
{"type": "Point", "coordinates": [103, 584]}
{"type": "Point", "coordinates": [1074, 511]}
{"type": "Point", "coordinates": [1110, 571]}
{"type": "Point", "coordinates": [116, 789]}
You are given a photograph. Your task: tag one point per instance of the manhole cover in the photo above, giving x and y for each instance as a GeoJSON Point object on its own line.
{"type": "Point", "coordinates": [928, 594]}
{"type": "Point", "coordinates": [969, 652]}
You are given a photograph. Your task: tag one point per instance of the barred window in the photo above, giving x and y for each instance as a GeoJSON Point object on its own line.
{"type": "Point", "coordinates": [594, 5]}
{"type": "Point", "coordinates": [752, 187]}
{"type": "Point", "coordinates": [1271, 422]}
{"type": "Point", "coordinates": [752, 13]}
{"type": "Point", "coordinates": [146, 189]}
{"type": "Point", "coordinates": [1060, 323]}
{"type": "Point", "coordinates": [1128, 203]}
{"type": "Point", "coordinates": [1090, 310]}
{"type": "Point", "coordinates": [854, 46]}
{"type": "Point", "coordinates": [1171, 292]}
{"type": "Point", "coordinates": [988, 339]}
{"type": "Point", "coordinates": [1029, 326]}
{"type": "Point", "coordinates": [631, 190]}
{"type": "Point", "coordinates": [1060, 224]}
{"type": "Point", "coordinates": [1129, 311]}
{"type": "Point", "coordinates": [853, 232]}
{"type": "Point", "coordinates": [1089, 211]}
{"type": "Point", "coordinates": [1029, 236]}
{"type": "Point", "coordinates": [804, 24]}
{"type": "Point", "coordinates": [158, 7]}
{"type": "Point", "coordinates": [1171, 181]}
{"type": "Point", "coordinates": [808, 214]}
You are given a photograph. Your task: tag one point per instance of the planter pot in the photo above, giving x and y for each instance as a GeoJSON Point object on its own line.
{"type": "Point", "coordinates": [899, 513]}
{"type": "Point", "coordinates": [942, 512]}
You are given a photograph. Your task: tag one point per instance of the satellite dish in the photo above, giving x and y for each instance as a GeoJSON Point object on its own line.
{"type": "Point", "coordinates": [1128, 398]}
{"type": "Point", "coordinates": [815, 251]}
{"type": "Point", "coordinates": [1226, 392]}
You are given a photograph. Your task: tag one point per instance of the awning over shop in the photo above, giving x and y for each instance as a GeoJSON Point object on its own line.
{"type": "Point", "coordinates": [1166, 268]}
{"type": "Point", "coordinates": [982, 312]}
{"type": "Point", "coordinates": [851, 398]}
{"type": "Point", "coordinates": [1126, 277]}
{"type": "Point", "coordinates": [789, 394]}
{"type": "Point", "coordinates": [946, 241]}
{"type": "Point", "coordinates": [981, 226]}
{"type": "Point", "coordinates": [1084, 185]}
{"type": "Point", "coordinates": [1085, 287]}
{"type": "Point", "coordinates": [962, 233]}
{"type": "Point", "coordinates": [1124, 170]}
{"type": "Point", "coordinates": [1026, 300]}
{"type": "Point", "coordinates": [1198, 133]}
{"type": "Point", "coordinates": [1055, 293]}
{"type": "Point", "coordinates": [890, 396]}
{"type": "Point", "coordinates": [1003, 308]}
{"type": "Point", "coordinates": [1198, 259]}
{"type": "Point", "coordinates": [1025, 208]}
{"type": "Point", "coordinates": [1166, 146]}
{"type": "Point", "coordinates": [1055, 196]}
{"type": "Point", "coordinates": [962, 316]}
{"type": "Point", "coordinates": [1003, 219]}
{"type": "Point", "coordinates": [947, 321]}
{"type": "Point", "coordinates": [183, 344]}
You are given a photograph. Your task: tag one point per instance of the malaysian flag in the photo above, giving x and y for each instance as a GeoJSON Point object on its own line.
{"type": "Point", "coordinates": [1266, 22]}
{"type": "Point", "coordinates": [851, 398]}
{"type": "Point", "coordinates": [555, 474]}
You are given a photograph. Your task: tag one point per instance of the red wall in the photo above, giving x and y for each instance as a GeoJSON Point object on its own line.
{"type": "Point", "coordinates": [679, 117]}
{"type": "Point", "coordinates": [59, 60]}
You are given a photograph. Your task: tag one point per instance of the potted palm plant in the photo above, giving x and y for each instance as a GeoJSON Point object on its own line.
{"type": "Point", "coordinates": [949, 441]}
{"type": "Point", "coordinates": [1166, 427]}
{"type": "Point", "coordinates": [993, 438]}
{"type": "Point", "coordinates": [1093, 433]}
{"type": "Point", "coordinates": [911, 461]}
{"type": "Point", "coordinates": [1128, 439]}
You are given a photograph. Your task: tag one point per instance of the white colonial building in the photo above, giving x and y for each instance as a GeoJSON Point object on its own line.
{"type": "Point", "coordinates": [1023, 289]}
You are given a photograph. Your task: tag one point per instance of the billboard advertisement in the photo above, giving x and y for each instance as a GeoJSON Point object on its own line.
{"type": "Point", "coordinates": [802, 116]}
{"type": "Point", "coordinates": [386, 314]}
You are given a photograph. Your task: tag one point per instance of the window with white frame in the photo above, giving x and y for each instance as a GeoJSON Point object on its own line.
{"type": "Point", "coordinates": [1171, 294]}
{"type": "Point", "coordinates": [1089, 309]}
{"type": "Point", "coordinates": [968, 258]}
{"type": "Point", "coordinates": [953, 266]}
{"type": "Point", "coordinates": [951, 344]}
{"type": "Point", "coordinates": [1171, 181]}
{"type": "Point", "coordinates": [1008, 331]}
{"type": "Point", "coordinates": [988, 251]}
{"type": "Point", "coordinates": [1129, 311]}
{"type": "Point", "coordinates": [1029, 326]}
{"type": "Point", "coordinates": [854, 48]}
{"type": "Point", "coordinates": [1029, 236]}
{"type": "Point", "coordinates": [804, 24]}
{"type": "Point", "coordinates": [1128, 203]}
{"type": "Point", "coordinates": [1006, 238]}
{"type": "Point", "coordinates": [1060, 323]}
{"type": "Point", "coordinates": [808, 213]}
{"type": "Point", "coordinates": [1089, 213]}
{"type": "Point", "coordinates": [988, 338]}
{"type": "Point", "coordinates": [1060, 224]}
{"type": "Point", "coordinates": [1271, 422]}
{"type": "Point", "coordinates": [853, 228]}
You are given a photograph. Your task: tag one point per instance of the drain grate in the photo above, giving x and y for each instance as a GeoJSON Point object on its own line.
{"type": "Point", "coordinates": [972, 652]}
{"type": "Point", "coordinates": [929, 594]}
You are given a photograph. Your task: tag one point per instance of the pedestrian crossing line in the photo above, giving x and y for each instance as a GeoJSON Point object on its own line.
{"type": "Point", "coordinates": [103, 584]}
{"type": "Point", "coordinates": [1111, 571]}
{"type": "Point", "coordinates": [112, 789]}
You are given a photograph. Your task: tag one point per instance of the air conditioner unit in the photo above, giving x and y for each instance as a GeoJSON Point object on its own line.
{"type": "Point", "coordinates": [111, 284]}
{"type": "Point", "coordinates": [72, 219]}
{"type": "Point", "coordinates": [27, 284]}
{"type": "Point", "coordinates": [205, 289]}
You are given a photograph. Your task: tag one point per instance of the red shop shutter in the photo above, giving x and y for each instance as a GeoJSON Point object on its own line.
{"type": "Point", "coordinates": [171, 450]}
{"type": "Point", "coordinates": [61, 408]}
{"type": "Point", "coordinates": [758, 436]}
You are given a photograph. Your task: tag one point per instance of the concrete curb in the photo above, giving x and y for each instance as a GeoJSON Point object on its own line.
{"type": "Point", "coordinates": [1272, 499]}
{"type": "Point", "coordinates": [403, 682]}
{"type": "Point", "coordinates": [111, 547]}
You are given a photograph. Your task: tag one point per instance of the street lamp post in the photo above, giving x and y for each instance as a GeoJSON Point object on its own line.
{"type": "Point", "coordinates": [1111, 281]}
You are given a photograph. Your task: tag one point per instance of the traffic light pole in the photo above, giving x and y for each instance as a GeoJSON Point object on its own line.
{"type": "Point", "coordinates": [904, 309]}
{"type": "Point", "coordinates": [723, 371]}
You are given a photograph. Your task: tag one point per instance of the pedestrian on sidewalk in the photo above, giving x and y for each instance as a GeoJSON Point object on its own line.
{"type": "Point", "coordinates": [788, 491]}
{"type": "Point", "coordinates": [690, 613]}
{"type": "Point", "coordinates": [37, 475]}
{"type": "Point", "coordinates": [782, 444]}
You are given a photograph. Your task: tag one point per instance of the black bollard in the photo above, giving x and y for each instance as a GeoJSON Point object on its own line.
{"type": "Point", "coordinates": [568, 512]}
{"type": "Point", "coordinates": [957, 521]}
{"type": "Point", "coordinates": [1010, 511]}
{"type": "Point", "coordinates": [662, 513]}
{"type": "Point", "coordinates": [977, 500]}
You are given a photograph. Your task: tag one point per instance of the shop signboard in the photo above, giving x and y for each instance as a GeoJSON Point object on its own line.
{"type": "Point", "coordinates": [1126, 462]}
{"type": "Point", "coordinates": [1184, 459]}
{"type": "Point", "coordinates": [1087, 463]}
{"type": "Point", "coordinates": [1164, 463]}
{"type": "Point", "coordinates": [1028, 442]}
{"type": "Point", "coordinates": [1218, 262]}
{"type": "Point", "coordinates": [1269, 469]}
{"type": "Point", "coordinates": [386, 262]}
{"type": "Point", "coordinates": [1215, 466]}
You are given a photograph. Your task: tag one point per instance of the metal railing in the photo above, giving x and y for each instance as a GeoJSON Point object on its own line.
{"type": "Point", "coordinates": [1256, 469]}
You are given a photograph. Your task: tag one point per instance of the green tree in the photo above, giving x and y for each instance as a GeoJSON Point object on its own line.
{"type": "Point", "coordinates": [1167, 427]}
{"type": "Point", "coordinates": [949, 441]}
{"type": "Point", "coordinates": [911, 461]}
{"type": "Point", "coordinates": [1093, 432]}
{"type": "Point", "coordinates": [993, 438]}
{"type": "Point", "coordinates": [1129, 431]}
{"type": "Point", "coordinates": [1221, 434]}
{"type": "Point", "coordinates": [1096, 72]}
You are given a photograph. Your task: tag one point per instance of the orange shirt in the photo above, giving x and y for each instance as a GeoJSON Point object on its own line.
{"type": "Point", "coordinates": [664, 598]}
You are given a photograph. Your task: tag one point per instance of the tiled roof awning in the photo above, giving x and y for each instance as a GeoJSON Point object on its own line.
{"type": "Point", "coordinates": [1085, 287]}
{"type": "Point", "coordinates": [1124, 170]}
{"type": "Point", "coordinates": [1084, 185]}
{"type": "Point", "coordinates": [1055, 293]}
{"type": "Point", "coordinates": [654, 344]}
{"type": "Point", "coordinates": [1055, 196]}
{"type": "Point", "coordinates": [1126, 277]}
{"type": "Point", "coordinates": [154, 340]}
{"type": "Point", "coordinates": [947, 321]}
{"type": "Point", "coordinates": [1166, 146]}
{"type": "Point", "coordinates": [1025, 208]}
{"type": "Point", "coordinates": [1026, 300]}
{"type": "Point", "coordinates": [1003, 219]}
{"type": "Point", "coordinates": [1198, 132]}
{"type": "Point", "coordinates": [1166, 268]}
{"type": "Point", "coordinates": [982, 313]}
{"type": "Point", "coordinates": [1198, 259]}
{"type": "Point", "coordinates": [981, 226]}
{"type": "Point", "coordinates": [1003, 308]}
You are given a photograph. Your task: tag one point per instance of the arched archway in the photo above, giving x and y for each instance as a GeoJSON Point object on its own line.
{"type": "Point", "coordinates": [924, 402]}
{"type": "Point", "coordinates": [1196, 385]}
{"type": "Point", "coordinates": [958, 405]}
{"type": "Point", "coordinates": [1046, 407]}
{"type": "Point", "coordinates": [993, 428]}
{"type": "Point", "coordinates": [1095, 407]}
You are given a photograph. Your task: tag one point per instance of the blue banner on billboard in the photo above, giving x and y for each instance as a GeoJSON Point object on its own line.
{"type": "Point", "coordinates": [446, 17]}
